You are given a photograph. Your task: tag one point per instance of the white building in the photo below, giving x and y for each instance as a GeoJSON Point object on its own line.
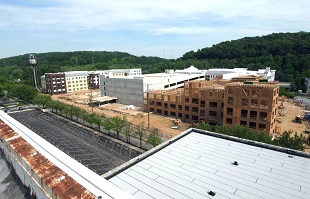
{"type": "Point", "coordinates": [129, 90]}
{"type": "Point", "coordinates": [82, 80]}
{"type": "Point", "coordinates": [235, 72]}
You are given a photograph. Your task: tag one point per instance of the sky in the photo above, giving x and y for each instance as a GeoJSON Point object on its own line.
{"type": "Point", "coordinates": [163, 28]}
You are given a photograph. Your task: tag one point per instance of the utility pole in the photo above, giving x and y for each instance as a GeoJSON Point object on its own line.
{"type": "Point", "coordinates": [92, 105]}
{"type": "Point", "coordinates": [148, 105]}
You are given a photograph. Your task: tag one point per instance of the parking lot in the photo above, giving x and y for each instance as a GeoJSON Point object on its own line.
{"type": "Point", "coordinates": [97, 152]}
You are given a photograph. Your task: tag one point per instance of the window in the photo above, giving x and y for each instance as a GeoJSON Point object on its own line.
{"type": "Point", "coordinates": [212, 104]}
{"type": "Point", "coordinates": [252, 125]}
{"type": "Point", "coordinates": [230, 111]}
{"type": "Point", "coordinates": [243, 123]}
{"type": "Point", "coordinates": [202, 103]}
{"type": "Point", "coordinates": [244, 113]}
{"type": "Point", "coordinates": [172, 106]}
{"type": "Point", "coordinates": [253, 115]}
{"type": "Point", "coordinates": [230, 100]}
{"type": "Point", "coordinates": [228, 121]}
{"type": "Point", "coordinates": [212, 113]}
{"type": "Point", "coordinates": [245, 102]}
{"type": "Point", "coordinates": [195, 109]}
{"type": "Point", "coordinates": [254, 102]}
{"type": "Point", "coordinates": [261, 126]}
{"type": "Point", "coordinates": [262, 115]}
{"type": "Point", "coordinates": [195, 118]}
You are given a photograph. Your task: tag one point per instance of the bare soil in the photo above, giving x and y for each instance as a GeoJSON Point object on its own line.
{"type": "Point", "coordinates": [164, 124]}
{"type": "Point", "coordinates": [288, 123]}
{"type": "Point", "coordinates": [135, 116]}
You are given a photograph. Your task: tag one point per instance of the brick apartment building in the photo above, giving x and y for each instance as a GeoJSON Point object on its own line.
{"type": "Point", "coordinates": [252, 104]}
{"type": "Point", "coordinates": [54, 83]}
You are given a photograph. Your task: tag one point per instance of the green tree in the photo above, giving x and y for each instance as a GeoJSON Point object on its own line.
{"type": "Point", "coordinates": [204, 126]}
{"type": "Point", "coordinates": [98, 120]}
{"type": "Point", "coordinates": [107, 124]}
{"type": "Point", "coordinates": [294, 142]}
{"type": "Point", "coordinates": [118, 124]}
{"type": "Point", "coordinates": [23, 92]}
{"type": "Point", "coordinates": [127, 130]}
{"type": "Point", "coordinates": [69, 110]}
{"type": "Point", "coordinates": [139, 131]}
{"type": "Point", "coordinates": [154, 138]}
{"type": "Point", "coordinates": [91, 118]}
{"type": "Point", "coordinates": [2, 91]}
{"type": "Point", "coordinates": [41, 99]}
{"type": "Point", "coordinates": [59, 106]}
{"type": "Point", "coordinates": [224, 129]}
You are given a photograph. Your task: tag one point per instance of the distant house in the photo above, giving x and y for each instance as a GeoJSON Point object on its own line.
{"type": "Point", "coordinates": [307, 85]}
{"type": "Point", "coordinates": [287, 85]}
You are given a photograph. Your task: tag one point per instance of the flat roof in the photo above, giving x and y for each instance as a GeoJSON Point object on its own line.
{"type": "Point", "coordinates": [202, 164]}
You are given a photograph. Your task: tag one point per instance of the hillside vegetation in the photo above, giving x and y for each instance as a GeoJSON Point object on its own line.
{"type": "Point", "coordinates": [288, 53]}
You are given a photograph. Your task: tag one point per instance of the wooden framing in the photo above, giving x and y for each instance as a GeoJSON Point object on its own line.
{"type": "Point", "coordinates": [252, 104]}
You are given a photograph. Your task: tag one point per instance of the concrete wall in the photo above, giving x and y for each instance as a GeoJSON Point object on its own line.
{"type": "Point", "coordinates": [128, 91]}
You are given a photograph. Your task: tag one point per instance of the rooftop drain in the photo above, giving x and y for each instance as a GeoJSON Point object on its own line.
{"type": "Point", "coordinates": [211, 193]}
{"type": "Point", "coordinates": [235, 163]}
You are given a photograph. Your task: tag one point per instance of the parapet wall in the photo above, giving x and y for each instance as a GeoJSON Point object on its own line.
{"type": "Point", "coordinates": [46, 170]}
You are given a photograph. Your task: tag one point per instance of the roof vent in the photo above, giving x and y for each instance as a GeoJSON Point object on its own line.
{"type": "Point", "coordinates": [235, 163]}
{"type": "Point", "coordinates": [211, 193]}
{"type": "Point", "coordinates": [99, 197]}
{"type": "Point", "coordinates": [290, 156]}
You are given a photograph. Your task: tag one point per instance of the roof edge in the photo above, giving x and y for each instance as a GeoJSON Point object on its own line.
{"type": "Point", "coordinates": [254, 143]}
{"type": "Point", "coordinates": [141, 157]}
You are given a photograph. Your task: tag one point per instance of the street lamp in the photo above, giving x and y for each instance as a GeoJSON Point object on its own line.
{"type": "Point", "coordinates": [33, 62]}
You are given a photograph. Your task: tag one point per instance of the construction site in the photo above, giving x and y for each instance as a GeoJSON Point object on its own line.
{"type": "Point", "coordinates": [167, 126]}
{"type": "Point", "coordinates": [249, 103]}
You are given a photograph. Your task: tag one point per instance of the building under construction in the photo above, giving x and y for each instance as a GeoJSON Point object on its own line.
{"type": "Point", "coordinates": [248, 103]}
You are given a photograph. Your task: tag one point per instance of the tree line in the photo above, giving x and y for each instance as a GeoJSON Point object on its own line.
{"type": "Point", "coordinates": [118, 124]}
{"type": "Point", "coordinates": [288, 53]}
{"type": "Point", "coordinates": [296, 141]}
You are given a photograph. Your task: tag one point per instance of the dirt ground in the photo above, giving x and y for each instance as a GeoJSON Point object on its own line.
{"type": "Point", "coordinates": [135, 116]}
{"type": "Point", "coordinates": [287, 119]}
{"type": "Point", "coordinates": [290, 111]}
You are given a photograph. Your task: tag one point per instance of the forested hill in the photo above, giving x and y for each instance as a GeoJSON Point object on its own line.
{"type": "Point", "coordinates": [78, 60]}
{"type": "Point", "coordinates": [288, 53]}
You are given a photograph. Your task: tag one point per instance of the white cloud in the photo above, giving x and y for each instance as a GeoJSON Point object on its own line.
{"type": "Point", "coordinates": [73, 19]}
{"type": "Point", "coordinates": [111, 15]}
